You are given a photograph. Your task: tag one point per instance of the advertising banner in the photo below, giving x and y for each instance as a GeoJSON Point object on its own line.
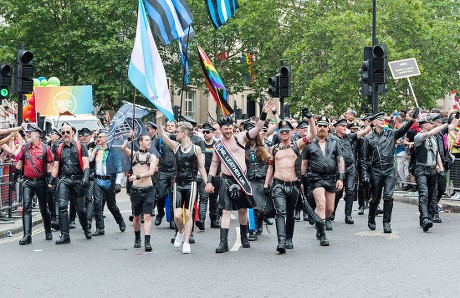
{"type": "Point", "coordinates": [50, 101]}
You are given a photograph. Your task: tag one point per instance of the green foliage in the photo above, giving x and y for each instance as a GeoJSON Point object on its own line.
{"type": "Point", "coordinates": [76, 40]}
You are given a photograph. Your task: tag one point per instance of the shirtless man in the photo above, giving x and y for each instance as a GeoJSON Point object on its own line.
{"type": "Point", "coordinates": [142, 192]}
{"type": "Point", "coordinates": [284, 168]}
{"type": "Point", "coordinates": [231, 195]}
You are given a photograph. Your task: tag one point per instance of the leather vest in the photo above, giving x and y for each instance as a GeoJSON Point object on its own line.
{"type": "Point", "coordinates": [186, 164]}
{"type": "Point", "coordinates": [255, 167]}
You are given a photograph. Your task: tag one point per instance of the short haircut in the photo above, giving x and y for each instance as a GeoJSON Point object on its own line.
{"type": "Point", "coordinates": [141, 138]}
{"type": "Point", "coordinates": [186, 126]}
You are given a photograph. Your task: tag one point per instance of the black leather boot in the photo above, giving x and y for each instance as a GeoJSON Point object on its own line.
{"type": "Point", "coordinates": [371, 216]}
{"type": "Point", "coordinates": [321, 234]}
{"type": "Point", "coordinates": [328, 223]}
{"type": "Point", "coordinates": [64, 227]}
{"type": "Point", "coordinates": [147, 245]}
{"type": "Point", "coordinates": [281, 232]}
{"type": "Point", "coordinates": [244, 236]}
{"type": "Point", "coordinates": [27, 228]}
{"type": "Point", "coordinates": [387, 209]}
{"type": "Point", "coordinates": [223, 245]}
{"type": "Point", "coordinates": [259, 222]}
{"type": "Point", "coordinates": [84, 224]}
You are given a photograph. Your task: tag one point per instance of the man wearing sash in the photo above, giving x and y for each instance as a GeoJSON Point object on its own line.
{"type": "Point", "coordinates": [235, 191]}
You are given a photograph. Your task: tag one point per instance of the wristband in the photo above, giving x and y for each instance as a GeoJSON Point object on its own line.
{"type": "Point", "coordinates": [129, 139]}
{"type": "Point", "coordinates": [138, 177]}
{"type": "Point", "coordinates": [307, 142]}
{"type": "Point", "coordinates": [274, 112]}
{"type": "Point", "coordinates": [210, 178]}
{"type": "Point", "coordinates": [341, 176]}
{"type": "Point", "coordinates": [457, 115]}
{"type": "Point", "coordinates": [263, 116]}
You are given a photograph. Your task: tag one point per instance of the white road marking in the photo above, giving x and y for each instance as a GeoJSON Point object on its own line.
{"type": "Point", "coordinates": [393, 235]}
{"type": "Point", "coordinates": [237, 244]}
{"type": "Point", "coordinates": [19, 236]}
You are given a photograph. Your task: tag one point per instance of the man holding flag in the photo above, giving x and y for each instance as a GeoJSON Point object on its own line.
{"type": "Point", "coordinates": [235, 192]}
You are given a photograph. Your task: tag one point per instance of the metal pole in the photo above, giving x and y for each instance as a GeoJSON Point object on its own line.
{"type": "Point", "coordinates": [375, 88]}
{"type": "Point", "coordinates": [20, 97]}
{"type": "Point", "coordinates": [121, 72]}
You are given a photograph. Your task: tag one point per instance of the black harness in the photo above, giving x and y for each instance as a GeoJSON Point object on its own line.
{"type": "Point", "coordinates": [141, 162]}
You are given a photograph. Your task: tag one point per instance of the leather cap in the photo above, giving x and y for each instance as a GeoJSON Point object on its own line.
{"type": "Point", "coordinates": [379, 115]}
{"type": "Point", "coordinates": [323, 120]}
{"type": "Point", "coordinates": [285, 126]}
{"type": "Point", "coordinates": [207, 127]}
{"type": "Point", "coordinates": [341, 122]}
{"type": "Point", "coordinates": [32, 127]}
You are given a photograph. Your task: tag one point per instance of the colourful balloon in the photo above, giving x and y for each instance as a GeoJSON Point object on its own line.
{"type": "Point", "coordinates": [32, 100]}
{"type": "Point", "coordinates": [36, 83]}
{"type": "Point", "coordinates": [54, 81]}
{"type": "Point", "coordinates": [41, 78]}
{"type": "Point", "coordinates": [43, 82]}
{"type": "Point", "coordinates": [30, 114]}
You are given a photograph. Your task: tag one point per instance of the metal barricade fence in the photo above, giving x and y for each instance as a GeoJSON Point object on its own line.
{"type": "Point", "coordinates": [9, 201]}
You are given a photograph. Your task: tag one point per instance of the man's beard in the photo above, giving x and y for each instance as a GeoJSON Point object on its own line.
{"type": "Point", "coordinates": [322, 134]}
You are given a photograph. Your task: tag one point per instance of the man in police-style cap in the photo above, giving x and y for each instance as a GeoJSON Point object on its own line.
{"type": "Point", "coordinates": [429, 165]}
{"type": "Point", "coordinates": [378, 154]}
{"type": "Point", "coordinates": [348, 143]}
{"type": "Point", "coordinates": [34, 163]}
{"type": "Point", "coordinates": [237, 199]}
{"type": "Point", "coordinates": [324, 167]}
{"type": "Point", "coordinates": [209, 141]}
{"type": "Point", "coordinates": [302, 131]}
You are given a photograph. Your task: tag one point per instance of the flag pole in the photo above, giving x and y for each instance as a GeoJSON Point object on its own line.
{"type": "Point", "coordinates": [184, 70]}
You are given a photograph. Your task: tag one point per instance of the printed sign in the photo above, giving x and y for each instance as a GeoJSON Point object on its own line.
{"type": "Point", "coordinates": [404, 68]}
{"type": "Point", "coordinates": [50, 101]}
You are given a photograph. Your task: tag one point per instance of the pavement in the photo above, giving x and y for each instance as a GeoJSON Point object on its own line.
{"type": "Point", "coordinates": [13, 226]}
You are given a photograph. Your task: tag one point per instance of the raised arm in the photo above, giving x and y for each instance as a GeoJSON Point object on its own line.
{"type": "Point", "coordinates": [170, 143]}
{"type": "Point", "coordinates": [252, 133]}
{"type": "Point", "coordinates": [124, 146]}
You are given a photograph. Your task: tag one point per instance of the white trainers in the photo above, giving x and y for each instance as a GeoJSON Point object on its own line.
{"type": "Point", "coordinates": [179, 239]}
{"type": "Point", "coordinates": [186, 249]}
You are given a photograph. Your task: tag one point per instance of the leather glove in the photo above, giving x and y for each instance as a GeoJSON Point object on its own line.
{"type": "Point", "coordinates": [365, 182]}
{"type": "Point", "coordinates": [450, 119]}
{"type": "Point", "coordinates": [267, 191]}
{"type": "Point", "coordinates": [117, 188]}
{"type": "Point", "coordinates": [51, 182]}
{"type": "Point", "coordinates": [416, 113]}
{"type": "Point", "coordinates": [85, 180]}
{"type": "Point", "coordinates": [306, 113]}
{"type": "Point", "coordinates": [16, 176]}
{"type": "Point", "coordinates": [457, 115]}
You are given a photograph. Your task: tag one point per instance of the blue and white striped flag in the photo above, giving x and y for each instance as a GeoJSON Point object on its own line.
{"type": "Point", "coordinates": [170, 18]}
{"type": "Point", "coordinates": [146, 71]}
{"type": "Point", "coordinates": [220, 11]}
{"type": "Point", "coordinates": [183, 50]}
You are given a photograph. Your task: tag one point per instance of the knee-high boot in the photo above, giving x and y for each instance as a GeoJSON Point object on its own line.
{"type": "Point", "coordinates": [64, 227]}
{"type": "Point", "coordinates": [321, 234]}
{"type": "Point", "coordinates": [281, 232]}
{"type": "Point", "coordinates": [387, 209]}
{"type": "Point", "coordinates": [83, 218]}
{"type": "Point", "coordinates": [223, 245]}
{"type": "Point", "coordinates": [371, 216]}
{"type": "Point", "coordinates": [244, 236]}
{"type": "Point", "coordinates": [259, 221]}
{"type": "Point", "coordinates": [27, 228]}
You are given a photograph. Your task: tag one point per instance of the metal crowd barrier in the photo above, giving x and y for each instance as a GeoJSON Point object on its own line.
{"type": "Point", "coordinates": [8, 199]}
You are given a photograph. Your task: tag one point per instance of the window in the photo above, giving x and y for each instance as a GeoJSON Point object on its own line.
{"type": "Point", "coordinates": [190, 104]}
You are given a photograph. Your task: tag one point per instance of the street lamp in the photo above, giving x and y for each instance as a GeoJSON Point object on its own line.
{"type": "Point", "coordinates": [121, 40]}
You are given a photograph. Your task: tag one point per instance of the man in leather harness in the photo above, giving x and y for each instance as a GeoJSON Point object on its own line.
{"type": "Point", "coordinates": [231, 196]}
{"type": "Point", "coordinates": [428, 164]}
{"type": "Point", "coordinates": [70, 177]}
{"type": "Point", "coordinates": [378, 152]}
{"type": "Point", "coordinates": [284, 168]}
{"type": "Point", "coordinates": [321, 161]}
{"type": "Point", "coordinates": [35, 161]}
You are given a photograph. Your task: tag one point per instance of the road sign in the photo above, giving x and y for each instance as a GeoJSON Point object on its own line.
{"type": "Point", "coordinates": [404, 68]}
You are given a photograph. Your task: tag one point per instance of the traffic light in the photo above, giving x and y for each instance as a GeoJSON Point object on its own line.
{"type": "Point", "coordinates": [364, 81]}
{"type": "Point", "coordinates": [379, 61]}
{"type": "Point", "coordinates": [5, 80]}
{"type": "Point", "coordinates": [285, 81]}
{"type": "Point", "coordinates": [274, 89]}
{"type": "Point", "coordinates": [24, 72]}
{"type": "Point", "coordinates": [177, 113]}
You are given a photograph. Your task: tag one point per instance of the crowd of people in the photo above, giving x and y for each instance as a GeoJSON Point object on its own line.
{"type": "Point", "coordinates": [215, 168]}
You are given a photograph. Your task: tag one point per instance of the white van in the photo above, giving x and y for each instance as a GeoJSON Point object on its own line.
{"type": "Point", "coordinates": [78, 121]}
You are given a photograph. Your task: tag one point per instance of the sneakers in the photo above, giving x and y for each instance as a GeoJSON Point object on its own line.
{"type": "Point", "coordinates": [179, 239]}
{"type": "Point", "coordinates": [186, 249]}
{"type": "Point", "coordinates": [456, 196]}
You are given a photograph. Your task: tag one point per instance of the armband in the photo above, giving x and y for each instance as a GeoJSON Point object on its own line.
{"type": "Point", "coordinates": [138, 177]}
{"type": "Point", "coordinates": [270, 162]}
{"type": "Point", "coordinates": [306, 141]}
{"type": "Point", "coordinates": [341, 176]}
{"type": "Point", "coordinates": [210, 179]}
{"type": "Point", "coordinates": [274, 112]}
{"type": "Point", "coordinates": [263, 116]}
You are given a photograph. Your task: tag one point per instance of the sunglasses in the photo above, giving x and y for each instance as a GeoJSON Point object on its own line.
{"type": "Point", "coordinates": [206, 132]}
{"type": "Point", "coordinates": [68, 132]}
{"type": "Point", "coordinates": [101, 137]}
{"type": "Point", "coordinates": [322, 125]}
{"type": "Point", "coordinates": [284, 131]}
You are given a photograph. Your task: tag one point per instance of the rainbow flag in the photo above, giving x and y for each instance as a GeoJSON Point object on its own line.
{"type": "Point", "coordinates": [214, 83]}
